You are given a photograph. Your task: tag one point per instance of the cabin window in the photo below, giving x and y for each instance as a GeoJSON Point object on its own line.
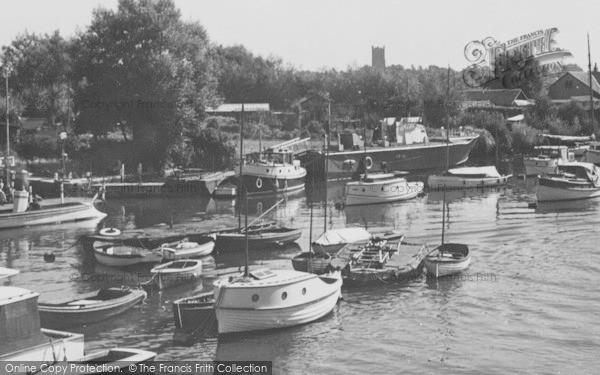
{"type": "Point", "coordinates": [569, 84]}
{"type": "Point", "coordinates": [255, 297]}
{"type": "Point", "coordinates": [303, 291]}
{"type": "Point", "coordinates": [284, 295]}
{"type": "Point", "coordinates": [363, 190]}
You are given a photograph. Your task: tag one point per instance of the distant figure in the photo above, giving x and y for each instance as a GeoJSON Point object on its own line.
{"type": "Point", "coordinates": [383, 167]}
{"type": "Point", "coordinates": [36, 203]}
{"type": "Point", "coordinates": [21, 181]}
{"type": "Point", "coordinates": [3, 199]}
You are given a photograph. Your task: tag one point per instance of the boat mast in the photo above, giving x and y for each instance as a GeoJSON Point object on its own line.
{"type": "Point", "coordinates": [241, 164]}
{"type": "Point", "coordinates": [365, 147]}
{"type": "Point", "coordinates": [328, 144]}
{"type": "Point", "coordinates": [591, 87]}
{"type": "Point", "coordinates": [242, 186]}
{"type": "Point", "coordinates": [444, 214]}
{"type": "Point", "coordinates": [447, 148]}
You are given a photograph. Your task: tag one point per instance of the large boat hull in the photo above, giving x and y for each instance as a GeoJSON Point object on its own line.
{"type": "Point", "coordinates": [345, 164]}
{"type": "Point", "coordinates": [358, 193]}
{"type": "Point", "coordinates": [52, 214]}
{"type": "Point", "coordinates": [261, 185]}
{"type": "Point", "coordinates": [555, 193]}
{"type": "Point", "coordinates": [455, 182]}
{"type": "Point", "coordinates": [235, 240]}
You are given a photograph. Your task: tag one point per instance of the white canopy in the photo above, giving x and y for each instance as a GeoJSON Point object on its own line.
{"type": "Point", "coordinates": [343, 236]}
{"type": "Point", "coordinates": [488, 171]}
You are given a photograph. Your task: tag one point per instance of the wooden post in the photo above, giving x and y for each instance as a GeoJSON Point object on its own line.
{"type": "Point", "coordinates": [62, 192]}
{"type": "Point", "coordinates": [122, 172]}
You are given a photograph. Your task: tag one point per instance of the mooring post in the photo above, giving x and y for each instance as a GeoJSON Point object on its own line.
{"type": "Point", "coordinates": [62, 192]}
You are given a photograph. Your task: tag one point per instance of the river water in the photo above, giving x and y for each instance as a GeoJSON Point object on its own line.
{"type": "Point", "coordinates": [528, 303]}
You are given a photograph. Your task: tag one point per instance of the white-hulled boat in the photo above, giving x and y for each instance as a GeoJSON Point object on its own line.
{"type": "Point", "coordinates": [333, 240]}
{"type": "Point", "coordinates": [268, 299]}
{"type": "Point", "coordinates": [592, 154]}
{"type": "Point", "coordinates": [50, 213]}
{"type": "Point", "coordinates": [119, 255]}
{"type": "Point", "coordinates": [6, 273]}
{"type": "Point", "coordinates": [186, 250]}
{"type": "Point", "coordinates": [176, 273]}
{"type": "Point", "coordinates": [546, 159]}
{"type": "Point", "coordinates": [468, 178]}
{"type": "Point", "coordinates": [447, 259]}
{"type": "Point", "coordinates": [572, 181]}
{"type": "Point", "coordinates": [380, 188]}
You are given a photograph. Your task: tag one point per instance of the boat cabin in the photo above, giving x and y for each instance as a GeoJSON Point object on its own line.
{"type": "Point", "coordinates": [583, 171]}
{"type": "Point", "coordinates": [553, 152]}
{"type": "Point", "coordinates": [595, 146]}
{"type": "Point", "coordinates": [474, 172]}
{"type": "Point", "coordinates": [281, 156]}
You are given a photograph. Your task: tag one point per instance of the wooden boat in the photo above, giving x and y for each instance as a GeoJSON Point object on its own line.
{"type": "Point", "coordinates": [73, 210]}
{"type": "Point", "coordinates": [175, 273]}
{"type": "Point", "coordinates": [268, 299]}
{"type": "Point", "coordinates": [468, 178]}
{"type": "Point", "coordinates": [234, 240]}
{"type": "Point", "coordinates": [380, 188]}
{"type": "Point", "coordinates": [333, 240]}
{"type": "Point", "coordinates": [118, 359]}
{"type": "Point", "coordinates": [91, 308]}
{"type": "Point", "coordinates": [120, 255]}
{"type": "Point", "coordinates": [312, 262]}
{"type": "Point", "coordinates": [546, 159]}
{"type": "Point", "coordinates": [186, 250]}
{"type": "Point", "coordinates": [194, 317]}
{"type": "Point", "coordinates": [30, 342]}
{"type": "Point", "coordinates": [6, 273]}
{"type": "Point", "coordinates": [448, 259]}
{"type": "Point", "coordinates": [573, 181]}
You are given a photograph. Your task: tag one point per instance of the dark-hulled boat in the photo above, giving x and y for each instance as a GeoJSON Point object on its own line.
{"type": "Point", "coordinates": [234, 240]}
{"type": "Point", "coordinates": [90, 308]}
{"type": "Point", "coordinates": [194, 317]}
{"type": "Point", "coordinates": [346, 158]}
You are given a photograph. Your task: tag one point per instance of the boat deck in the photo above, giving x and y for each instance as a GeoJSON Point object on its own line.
{"type": "Point", "coordinates": [407, 254]}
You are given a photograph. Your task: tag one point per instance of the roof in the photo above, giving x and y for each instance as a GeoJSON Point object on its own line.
{"type": "Point", "coordinates": [516, 118]}
{"type": "Point", "coordinates": [489, 171]}
{"type": "Point", "coordinates": [501, 98]}
{"type": "Point", "coordinates": [343, 236]}
{"type": "Point", "coordinates": [582, 77]}
{"type": "Point", "coordinates": [12, 294]}
{"type": "Point", "coordinates": [237, 107]}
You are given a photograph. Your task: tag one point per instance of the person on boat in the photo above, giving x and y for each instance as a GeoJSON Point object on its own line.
{"type": "Point", "coordinates": [383, 167]}
{"type": "Point", "coordinates": [36, 203]}
{"type": "Point", "coordinates": [21, 181]}
{"type": "Point", "coordinates": [3, 199]}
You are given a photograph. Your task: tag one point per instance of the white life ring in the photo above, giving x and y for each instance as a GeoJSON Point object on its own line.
{"type": "Point", "coordinates": [109, 232]}
{"type": "Point", "coordinates": [259, 182]}
{"type": "Point", "coordinates": [369, 162]}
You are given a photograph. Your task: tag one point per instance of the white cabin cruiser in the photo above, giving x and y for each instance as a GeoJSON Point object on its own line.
{"type": "Point", "coordinates": [545, 159]}
{"type": "Point", "coordinates": [572, 181]}
{"type": "Point", "coordinates": [381, 188]}
{"type": "Point", "coordinates": [468, 178]}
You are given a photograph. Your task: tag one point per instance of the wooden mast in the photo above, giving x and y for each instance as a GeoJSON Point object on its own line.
{"type": "Point", "coordinates": [591, 87]}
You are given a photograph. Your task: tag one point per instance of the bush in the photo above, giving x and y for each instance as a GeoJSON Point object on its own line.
{"type": "Point", "coordinates": [524, 137]}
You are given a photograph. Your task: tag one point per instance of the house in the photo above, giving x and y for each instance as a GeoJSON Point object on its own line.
{"type": "Point", "coordinates": [405, 130]}
{"type": "Point", "coordinates": [497, 98]}
{"type": "Point", "coordinates": [574, 86]}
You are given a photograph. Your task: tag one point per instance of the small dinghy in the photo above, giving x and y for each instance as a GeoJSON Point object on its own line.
{"type": "Point", "coordinates": [333, 240]}
{"type": "Point", "coordinates": [175, 273]}
{"type": "Point", "coordinates": [194, 317]}
{"type": "Point", "coordinates": [468, 178]}
{"type": "Point", "coordinates": [234, 240]}
{"type": "Point", "coordinates": [93, 307]}
{"type": "Point", "coordinates": [381, 188]}
{"type": "Point", "coordinates": [6, 273]}
{"type": "Point", "coordinates": [186, 250]}
{"type": "Point", "coordinates": [312, 262]}
{"type": "Point", "coordinates": [448, 259]}
{"type": "Point", "coordinates": [119, 255]}
{"type": "Point", "coordinates": [572, 181]}
{"type": "Point", "coordinates": [118, 359]}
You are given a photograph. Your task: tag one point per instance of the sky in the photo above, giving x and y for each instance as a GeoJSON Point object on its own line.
{"type": "Point", "coordinates": [317, 34]}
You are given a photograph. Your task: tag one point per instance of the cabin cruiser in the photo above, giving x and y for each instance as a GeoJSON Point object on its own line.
{"type": "Point", "coordinates": [576, 180]}
{"type": "Point", "coordinates": [273, 171]}
{"type": "Point", "coordinates": [545, 159]}
{"type": "Point", "coordinates": [468, 177]}
{"type": "Point", "coordinates": [381, 188]}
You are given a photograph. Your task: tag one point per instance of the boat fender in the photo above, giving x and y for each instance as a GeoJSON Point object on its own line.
{"type": "Point", "coordinates": [369, 162]}
{"type": "Point", "coordinates": [110, 232]}
{"type": "Point", "coordinates": [259, 183]}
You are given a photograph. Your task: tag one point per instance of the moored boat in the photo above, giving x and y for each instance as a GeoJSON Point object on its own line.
{"type": "Point", "coordinates": [234, 239]}
{"type": "Point", "coordinates": [268, 299]}
{"type": "Point", "coordinates": [380, 188]}
{"type": "Point", "coordinates": [468, 178]}
{"type": "Point", "coordinates": [91, 308]}
{"type": "Point", "coordinates": [194, 317]}
{"type": "Point", "coordinates": [175, 273]}
{"type": "Point", "coordinates": [54, 213]}
{"type": "Point", "coordinates": [120, 255]}
{"type": "Point", "coordinates": [572, 181]}
{"type": "Point", "coordinates": [227, 190]}
{"type": "Point", "coordinates": [312, 262]}
{"type": "Point", "coordinates": [545, 159]}
{"type": "Point", "coordinates": [333, 240]}
{"type": "Point", "coordinates": [447, 259]}
{"type": "Point", "coordinates": [117, 359]}
{"type": "Point", "coordinates": [592, 154]}
{"type": "Point", "coordinates": [186, 250]}
{"type": "Point", "coordinates": [6, 273]}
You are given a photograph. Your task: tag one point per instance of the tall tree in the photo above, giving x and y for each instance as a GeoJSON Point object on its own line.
{"type": "Point", "coordinates": [143, 69]}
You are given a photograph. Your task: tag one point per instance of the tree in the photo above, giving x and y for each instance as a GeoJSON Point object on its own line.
{"type": "Point", "coordinates": [143, 69]}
